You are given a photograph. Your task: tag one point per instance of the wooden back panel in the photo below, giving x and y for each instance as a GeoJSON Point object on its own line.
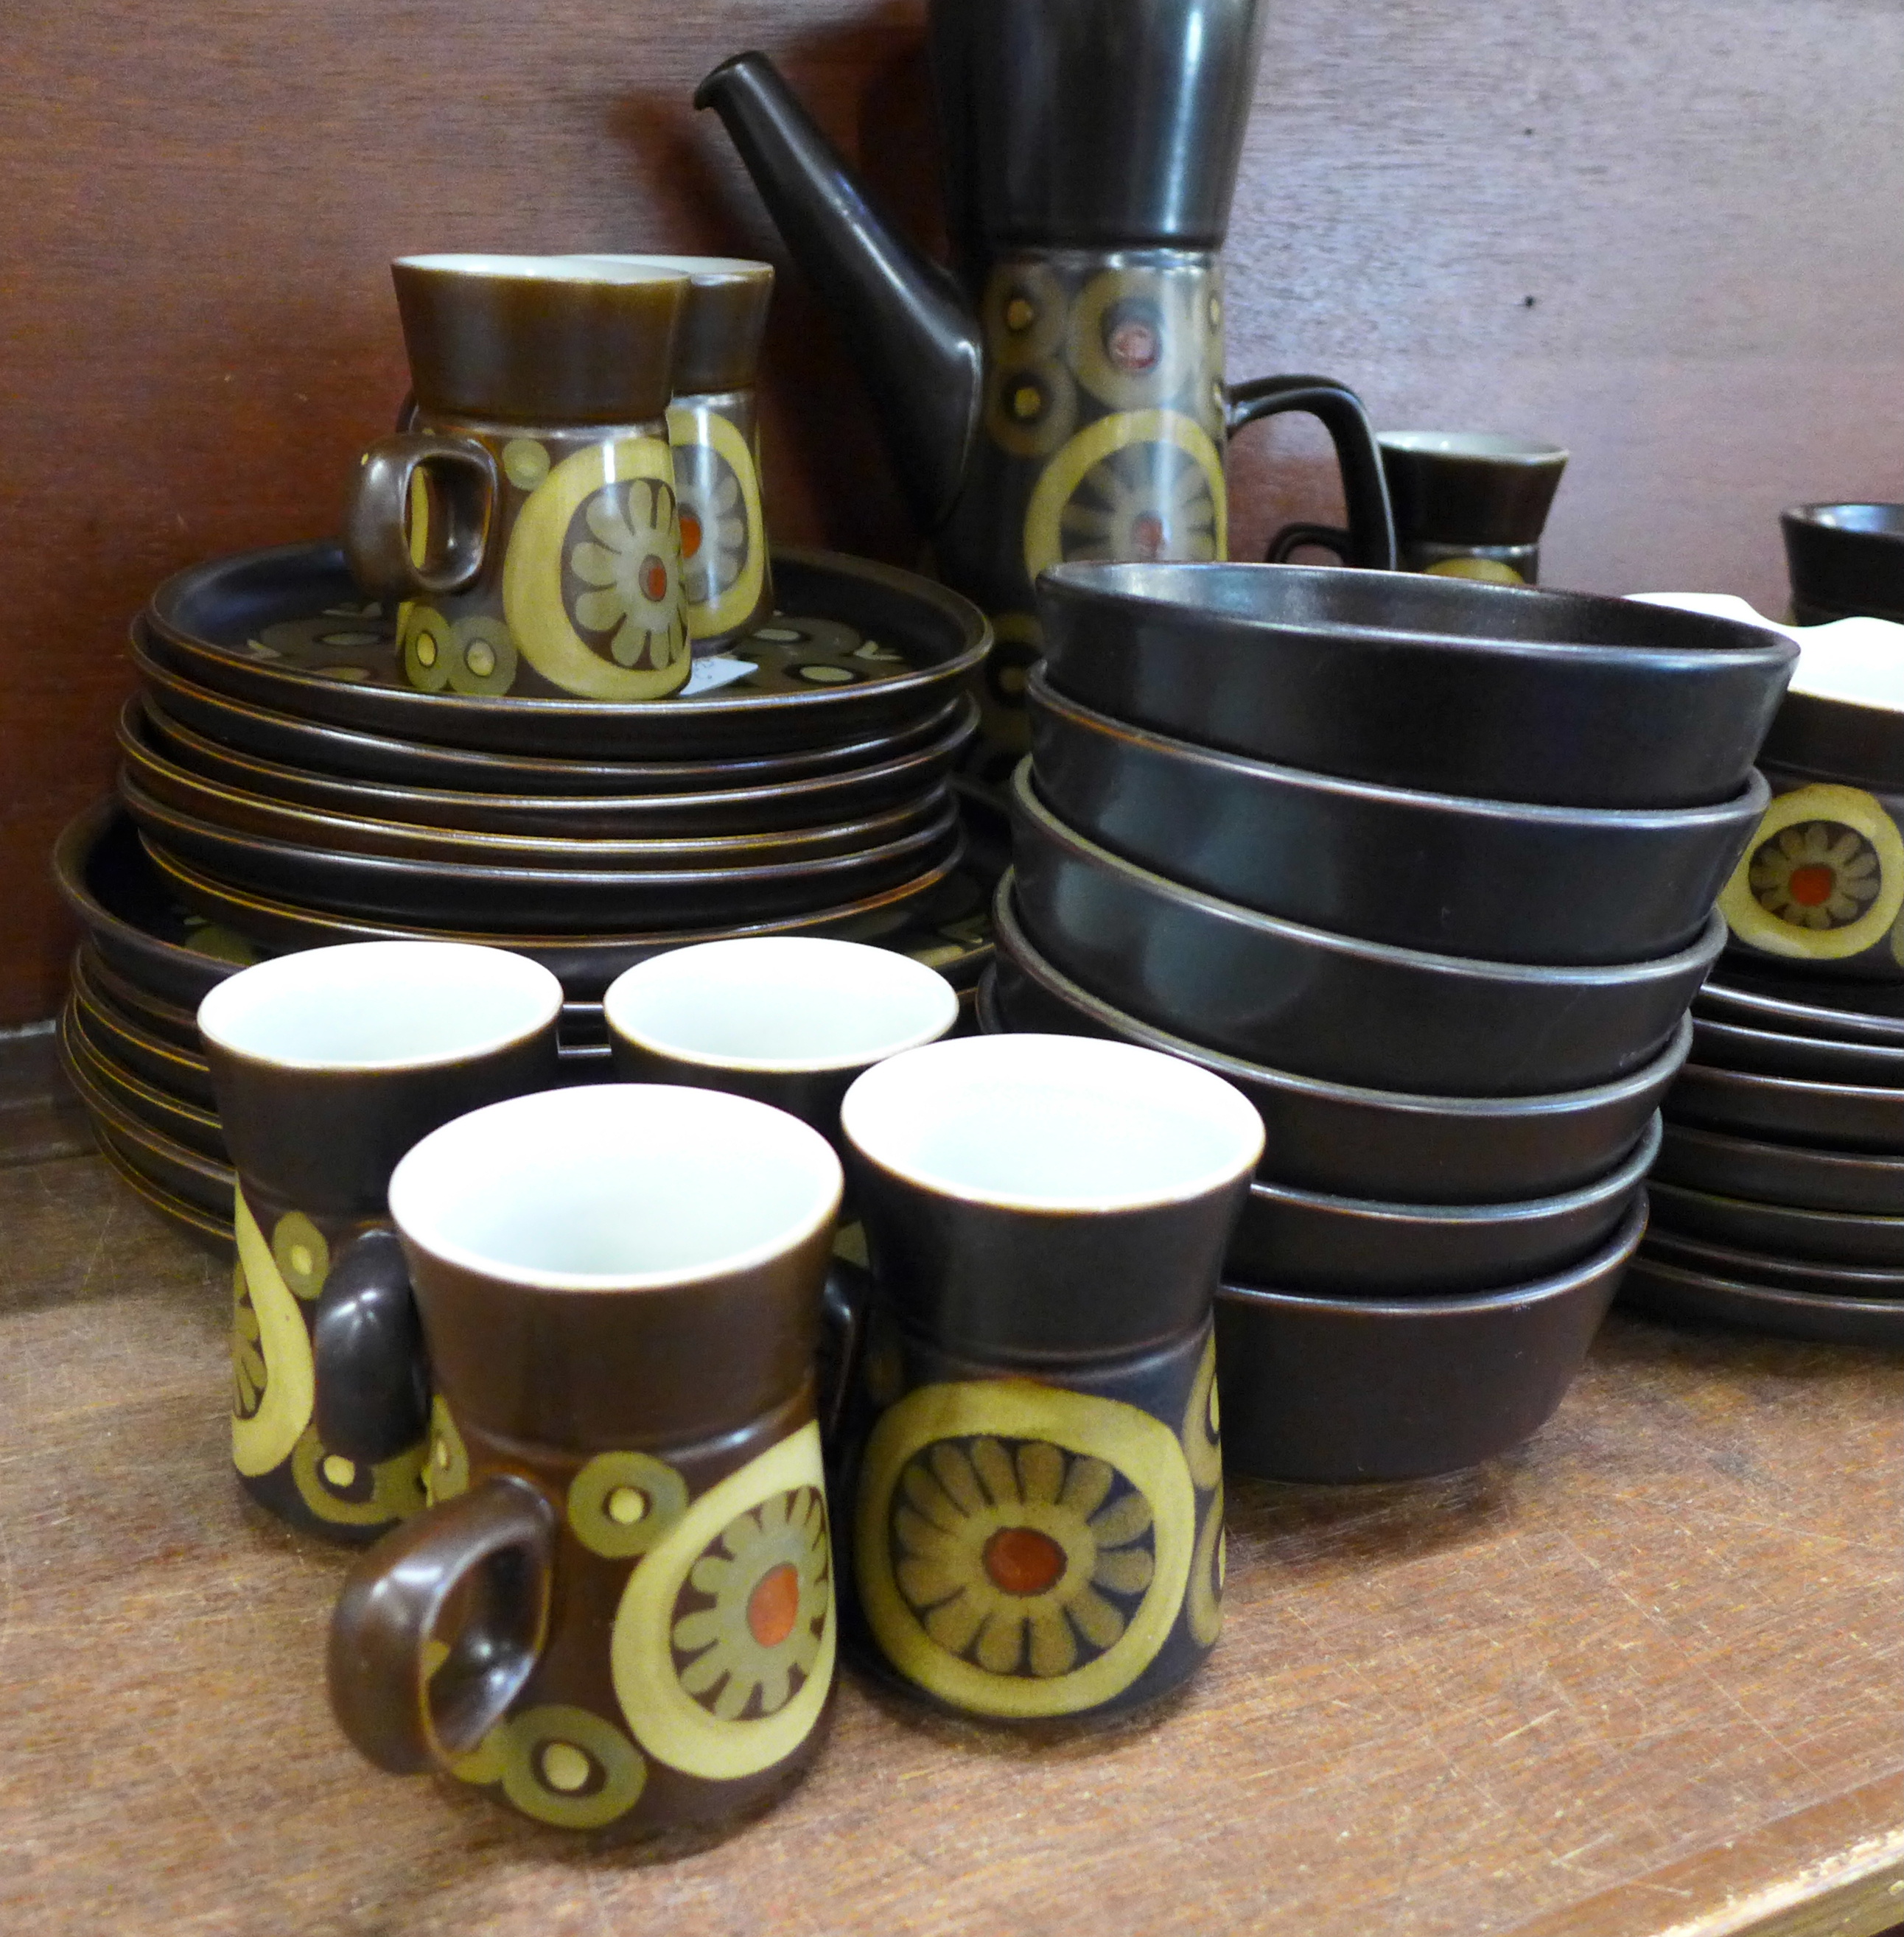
{"type": "Point", "coordinates": [1662, 231]}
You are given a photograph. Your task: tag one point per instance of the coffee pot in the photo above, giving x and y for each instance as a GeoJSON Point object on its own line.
{"type": "Point", "coordinates": [1057, 392]}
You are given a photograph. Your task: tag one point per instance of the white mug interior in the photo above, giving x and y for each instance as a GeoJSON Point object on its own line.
{"type": "Point", "coordinates": [1473, 444]}
{"type": "Point", "coordinates": [1053, 1122]}
{"type": "Point", "coordinates": [616, 1186]}
{"type": "Point", "coordinates": [380, 1005]}
{"type": "Point", "coordinates": [781, 1004]}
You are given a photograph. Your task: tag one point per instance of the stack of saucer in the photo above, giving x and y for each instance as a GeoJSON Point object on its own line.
{"type": "Point", "coordinates": [284, 787]}
{"type": "Point", "coordinates": [1779, 1195]}
{"type": "Point", "coordinates": [1427, 869]}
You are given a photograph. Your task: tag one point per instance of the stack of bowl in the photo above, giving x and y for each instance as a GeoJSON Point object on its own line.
{"type": "Point", "coordinates": [1427, 869]}
{"type": "Point", "coordinates": [282, 787]}
{"type": "Point", "coordinates": [1779, 1194]}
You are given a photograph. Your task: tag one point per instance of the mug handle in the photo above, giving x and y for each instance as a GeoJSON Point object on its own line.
{"type": "Point", "coordinates": [376, 522]}
{"type": "Point", "coordinates": [367, 1348]}
{"type": "Point", "coordinates": [489, 1556]}
{"type": "Point", "coordinates": [1369, 541]}
{"type": "Point", "coordinates": [843, 1304]}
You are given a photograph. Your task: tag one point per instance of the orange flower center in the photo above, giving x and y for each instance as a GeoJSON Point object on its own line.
{"type": "Point", "coordinates": [1021, 1560]}
{"type": "Point", "coordinates": [1810, 886]}
{"type": "Point", "coordinates": [1133, 346]}
{"type": "Point", "coordinates": [654, 579]}
{"type": "Point", "coordinates": [690, 534]}
{"type": "Point", "coordinates": [774, 1605]}
{"type": "Point", "coordinates": [1147, 535]}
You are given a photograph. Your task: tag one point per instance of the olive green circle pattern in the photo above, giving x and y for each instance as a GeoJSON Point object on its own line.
{"type": "Point", "coordinates": [1856, 812]}
{"type": "Point", "coordinates": [522, 1742]}
{"type": "Point", "coordinates": [663, 1491]}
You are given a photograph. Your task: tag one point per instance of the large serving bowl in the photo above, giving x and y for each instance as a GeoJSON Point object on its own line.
{"type": "Point", "coordinates": [1415, 681]}
{"type": "Point", "coordinates": [1845, 559]}
{"type": "Point", "coordinates": [1501, 880]}
{"type": "Point", "coordinates": [1355, 1142]}
{"type": "Point", "coordinates": [1319, 1004]}
{"type": "Point", "coordinates": [1305, 1241]}
{"type": "Point", "coordinates": [1332, 1388]}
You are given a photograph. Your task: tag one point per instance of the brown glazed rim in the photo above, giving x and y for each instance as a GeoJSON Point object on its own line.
{"type": "Point", "coordinates": [1624, 1242]}
{"type": "Point", "coordinates": [138, 708]}
{"type": "Point", "coordinates": [122, 1123]}
{"type": "Point", "coordinates": [974, 629]}
{"type": "Point", "coordinates": [532, 851]}
{"type": "Point", "coordinates": [1492, 447]}
{"type": "Point", "coordinates": [1732, 643]}
{"type": "Point", "coordinates": [1003, 1051]}
{"type": "Point", "coordinates": [297, 968]}
{"type": "Point", "coordinates": [614, 1100]}
{"type": "Point", "coordinates": [1020, 949]}
{"type": "Point", "coordinates": [166, 1203]}
{"type": "Point", "coordinates": [723, 317]}
{"type": "Point", "coordinates": [1061, 835]}
{"type": "Point", "coordinates": [345, 929]}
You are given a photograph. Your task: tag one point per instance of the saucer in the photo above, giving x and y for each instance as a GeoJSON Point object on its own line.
{"type": "Point", "coordinates": [1846, 1116]}
{"type": "Point", "coordinates": [1769, 1172]}
{"type": "Point", "coordinates": [1669, 1291]}
{"type": "Point", "coordinates": [1757, 997]}
{"type": "Point", "coordinates": [1744, 1223]}
{"type": "Point", "coordinates": [858, 649]}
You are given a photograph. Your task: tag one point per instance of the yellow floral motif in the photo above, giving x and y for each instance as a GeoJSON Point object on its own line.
{"type": "Point", "coordinates": [1816, 875]}
{"type": "Point", "coordinates": [723, 539]}
{"type": "Point", "coordinates": [446, 1460]}
{"type": "Point", "coordinates": [1824, 877]}
{"type": "Point", "coordinates": [674, 1724]}
{"type": "Point", "coordinates": [563, 1765]}
{"type": "Point", "coordinates": [1022, 1549]}
{"type": "Point", "coordinates": [634, 563]}
{"type": "Point", "coordinates": [1139, 485]}
{"type": "Point", "coordinates": [1203, 1602]}
{"type": "Point", "coordinates": [248, 1369]}
{"type": "Point", "coordinates": [339, 1491]}
{"type": "Point", "coordinates": [1009, 1551]}
{"type": "Point", "coordinates": [768, 1577]}
{"type": "Point", "coordinates": [1488, 571]}
{"type": "Point", "coordinates": [1133, 339]}
{"type": "Point", "coordinates": [621, 1504]}
{"type": "Point", "coordinates": [1202, 1437]}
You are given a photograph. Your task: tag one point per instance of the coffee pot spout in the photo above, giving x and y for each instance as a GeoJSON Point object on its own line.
{"type": "Point", "coordinates": [902, 315]}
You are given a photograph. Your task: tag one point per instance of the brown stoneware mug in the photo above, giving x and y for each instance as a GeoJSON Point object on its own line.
{"type": "Point", "coordinates": [1032, 1444]}
{"type": "Point", "coordinates": [619, 1606]}
{"type": "Point", "coordinates": [526, 519]}
{"type": "Point", "coordinates": [713, 425]}
{"type": "Point", "coordinates": [1467, 505]}
{"type": "Point", "coordinates": [328, 1065]}
{"type": "Point", "coordinates": [791, 1020]}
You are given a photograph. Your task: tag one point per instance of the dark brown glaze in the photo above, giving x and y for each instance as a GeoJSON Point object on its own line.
{"type": "Point", "coordinates": [1389, 864]}
{"type": "Point", "coordinates": [1343, 1389]}
{"type": "Point", "coordinates": [530, 349]}
{"type": "Point", "coordinates": [1785, 1052]}
{"type": "Point", "coordinates": [552, 1405]}
{"type": "Point", "coordinates": [1843, 1114]}
{"type": "Point", "coordinates": [812, 1095]}
{"type": "Point", "coordinates": [1823, 1237]}
{"type": "Point", "coordinates": [1666, 1289]}
{"type": "Point", "coordinates": [1845, 559]}
{"type": "Point", "coordinates": [723, 319]}
{"type": "Point", "coordinates": [1413, 681]}
{"type": "Point", "coordinates": [1324, 1005]}
{"type": "Point", "coordinates": [636, 1366]}
{"type": "Point", "coordinates": [1783, 1174]}
{"type": "Point", "coordinates": [1379, 1144]}
{"type": "Point", "coordinates": [1306, 1241]}
{"type": "Point", "coordinates": [1468, 499]}
{"type": "Point", "coordinates": [326, 1141]}
{"type": "Point", "coordinates": [1060, 392]}
{"type": "Point", "coordinates": [543, 900]}
{"type": "Point", "coordinates": [1744, 989]}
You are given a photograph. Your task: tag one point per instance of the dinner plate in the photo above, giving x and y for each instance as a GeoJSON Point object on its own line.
{"type": "Point", "coordinates": [1824, 1237]}
{"type": "Point", "coordinates": [857, 649]}
{"type": "Point", "coordinates": [1669, 1291]}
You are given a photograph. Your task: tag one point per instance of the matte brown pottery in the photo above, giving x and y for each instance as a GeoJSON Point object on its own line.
{"type": "Point", "coordinates": [1412, 681]}
{"type": "Point", "coordinates": [1060, 393]}
{"type": "Point", "coordinates": [1267, 990]}
{"type": "Point", "coordinates": [620, 1610]}
{"type": "Point", "coordinates": [1353, 1142]}
{"type": "Point", "coordinates": [1845, 559]}
{"type": "Point", "coordinates": [1456, 876]}
{"type": "Point", "coordinates": [1336, 1390]}
{"type": "Point", "coordinates": [329, 1066]}
{"type": "Point", "coordinates": [1032, 1448]}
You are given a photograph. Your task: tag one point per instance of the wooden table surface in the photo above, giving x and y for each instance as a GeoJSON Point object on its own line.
{"type": "Point", "coordinates": [1647, 1676]}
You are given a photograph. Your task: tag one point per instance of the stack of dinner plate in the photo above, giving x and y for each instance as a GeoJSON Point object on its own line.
{"type": "Point", "coordinates": [1778, 1197]}
{"type": "Point", "coordinates": [1428, 869]}
{"type": "Point", "coordinates": [282, 786]}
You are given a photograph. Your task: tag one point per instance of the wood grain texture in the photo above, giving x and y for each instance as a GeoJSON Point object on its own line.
{"type": "Point", "coordinates": [1643, 1678]}
{"type": "Point", "coordinates": [1704, 199]}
